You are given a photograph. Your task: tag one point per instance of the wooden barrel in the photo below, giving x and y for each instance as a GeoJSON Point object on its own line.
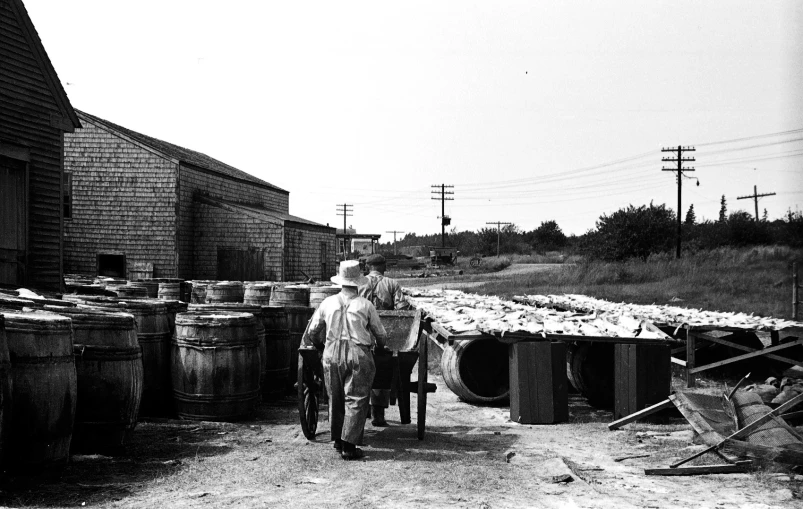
{"type": "Point", "coordinates": [108, 364]}
{"type": "Point", "coordinates": [257, 294]}
{"type": "Point", "coordinates": [11, 302]}
{"type": "Point", "coordinates": [151, 286]}
{"type": "Point", "coordinates": [291, 295]}
{"type": "Point", "coordinates": [224, 291]}
{"type": "Point", "coordinates": [260, 327]}
{"type": "Point", "coordinates": [45, 390]}
{"type": "Point", "coordinates": [5, 391]}
{"type": "Point", "coordinates": [590, 369]}
{"type": "Point", "coordinates": [153, 334]}
{"type": "Point", "coordinates": [173, 308]}
{"type": "Point", "coordinates": [198, 292]}
{"type": "Point", "coordinates": [169, 291]}
{"type": "Point", "coordinates": [132, 292]}
{"type": "Point", "coordinates": [477, 370]}
{"type": "Point", "coordinates": [215, 364]}
{"type": "Point", "coordinates": [274, 317]}
{"type": "Point", "coordinates": [317, 294]}
{"type": "Point", "coordinates": [297, 320]}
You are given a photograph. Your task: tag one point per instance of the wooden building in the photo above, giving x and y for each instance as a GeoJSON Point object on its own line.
{"type": "Point", "coordinates": [34, 115]}
{"type": "Point", "coordinates": [136, 201]}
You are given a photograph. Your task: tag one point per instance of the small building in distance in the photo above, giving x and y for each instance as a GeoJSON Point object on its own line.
{"type": "Point", "coordinates": [34, 115]}
{"type": "Point", "coordinates": [141, 205]}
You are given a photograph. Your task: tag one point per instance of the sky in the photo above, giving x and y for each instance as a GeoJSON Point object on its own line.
{"type": "Point", "coordinates": [533, 111]}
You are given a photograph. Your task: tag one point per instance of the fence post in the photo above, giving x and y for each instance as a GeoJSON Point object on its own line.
{"type": "Point", "coordinates": [795, 286]}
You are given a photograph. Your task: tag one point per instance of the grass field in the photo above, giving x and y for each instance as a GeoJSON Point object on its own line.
{"type": "Point", "coordinates": [752, 280]}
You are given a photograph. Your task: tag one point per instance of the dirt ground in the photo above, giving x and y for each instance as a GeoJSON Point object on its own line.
{"type": "Point", "coordinates": [471, 457]}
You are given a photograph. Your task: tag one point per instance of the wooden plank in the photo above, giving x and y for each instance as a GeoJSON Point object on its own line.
{"type": "Point", "coordinates": [677, 361]}
{"type": "Point", "coordinates": [744, 348]}
{"type": "Point", "coordinates": [691, 380]}
{"type": "Point", "coordinates": [739, 467]}
{"type": "Point", "coordinates": [640, 414]}
{"type": "Point", "coordinates": [757, 353]}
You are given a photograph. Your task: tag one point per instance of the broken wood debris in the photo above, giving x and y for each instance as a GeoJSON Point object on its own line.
{"type": "Point", "coordinates": [738, 467]}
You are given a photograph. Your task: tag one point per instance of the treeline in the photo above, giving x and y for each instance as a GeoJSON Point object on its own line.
{"type": "Point", "coordinates": [630, 232]}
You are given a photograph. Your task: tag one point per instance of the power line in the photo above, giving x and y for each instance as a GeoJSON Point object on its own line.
{"type": "Point", "coordinates": [748, 138]}
{"type": "Point", "coordinates": [680, 169]}
{"type": "Point", "coordinates": [498, 232]}
{"type": "Point", "coordinates": [445, 220]}
{"type": "Point", "coordinates": [755, 196]}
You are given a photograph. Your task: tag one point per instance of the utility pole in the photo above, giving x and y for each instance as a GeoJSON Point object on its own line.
{"type": "Point", "coordinates": [755, 196]}
{"type": "Point", "coordinates": [680, 169]}
{"type": "Point", "coordinates": [394, 232]}
{"type": "Point", "coordinates": [345, 210]}
{"type": "Point", "coordinates": [445, 220]}
{"type": "Point", "coordinates": [498, 232]}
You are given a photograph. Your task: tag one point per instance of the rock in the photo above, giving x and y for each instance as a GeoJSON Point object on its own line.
{"type": "Point", "coordinates": [767, 392]}
{"type": "Point", "coordinates": [772, 381]}
{"type": "Point", "coordinates": [788, 393]}
{"type": "Point", "coordinates": [783, 494]}
{"type": "Point", "coordinates": [794, 372]}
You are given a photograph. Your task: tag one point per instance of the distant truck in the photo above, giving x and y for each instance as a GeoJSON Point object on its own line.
{"type": "Point", "coordinates": [440, 256]}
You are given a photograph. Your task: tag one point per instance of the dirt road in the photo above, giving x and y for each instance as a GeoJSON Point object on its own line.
{"type": "Point", "coordinates": [462, 282]}
{"type": "Point", "coordinates": [472, 457]}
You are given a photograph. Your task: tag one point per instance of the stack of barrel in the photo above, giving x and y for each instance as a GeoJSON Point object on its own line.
{"type": "Point", "coordinates": [294, 299]}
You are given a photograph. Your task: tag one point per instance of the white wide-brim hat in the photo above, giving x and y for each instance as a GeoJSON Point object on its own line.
{"type": "Point", "coordinates": [349, 274]}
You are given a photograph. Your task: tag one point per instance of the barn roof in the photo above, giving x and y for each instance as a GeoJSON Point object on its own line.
{"type": "Point", "coordinates": [46, 66]}
{"type": "Point", "coordinates": [261, 212]}
{"type": "Point", "coordinates": [181, 154]}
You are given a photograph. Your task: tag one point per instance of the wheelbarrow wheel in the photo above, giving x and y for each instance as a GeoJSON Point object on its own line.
{"type": "Point", "coordinates": [308, 398]}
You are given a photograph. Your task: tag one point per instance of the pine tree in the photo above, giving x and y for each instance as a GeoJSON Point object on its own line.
{"type": "Point", "coordinates": [691, 218]}
{"type": "Point", "coordinates": [723, 210]}
{"type": "Point", "coordinates": [764, 217]}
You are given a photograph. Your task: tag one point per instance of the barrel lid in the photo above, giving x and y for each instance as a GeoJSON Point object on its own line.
{"type": "Point", "coordinates": [153, 304]}
{"type": "Point", "coordinates": [237, 307]}
{"type": "Point", "coordinates": [86, 313]}
{"type": "Point", "coordinates": [37, 318]}
{"type": "Point", "coordinates": [226, 283]}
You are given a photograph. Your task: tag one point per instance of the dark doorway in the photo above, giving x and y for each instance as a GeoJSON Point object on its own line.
{"type": "Point", "coordinates": [240, 264]}
{"type": "Point", "coordinates": [13, 221]}
{"type": "Point", "coordinates": [111, 265]}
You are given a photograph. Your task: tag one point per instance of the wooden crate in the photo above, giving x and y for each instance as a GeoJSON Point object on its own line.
{"type": "Point", "coordinates": [642, 377]}
{"type": "Point", "coordinates": [538, 384]}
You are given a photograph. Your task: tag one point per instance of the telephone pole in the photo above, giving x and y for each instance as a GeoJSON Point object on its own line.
{"type": "Point", "coordinates": [345, 210]}
{"type": "Point", "coordinates": [444, 197]}
{"type": "Point", "coordinates": [498, 232]}
{"type": "Point", "coordinates": [680, 169]}
{"type": "Point", "coordinates": [755, 196]}
{"type": "Point", "coordinates": [394, 232]}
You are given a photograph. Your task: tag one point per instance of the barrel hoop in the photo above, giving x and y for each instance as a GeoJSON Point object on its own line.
{"type": "Point", "coordinates": [153, 337]}
{"type": "Point", "coordinates": [191, 397]}
{"type": "Point", "coordinates": [225, 346]}
{"type": "Point", "coordinates": [52, 359]}
{"type": "Point", "coordinates": [49, 331]}
{"type": "Point", "coordinates": [102, 352]}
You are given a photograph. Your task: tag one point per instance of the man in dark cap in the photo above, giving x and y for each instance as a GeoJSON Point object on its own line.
{"type": "Point", "coordinates": [385, 294]}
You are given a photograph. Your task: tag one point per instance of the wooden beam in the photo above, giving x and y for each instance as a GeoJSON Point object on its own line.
{"type": "Point", "coordinates": [744, 348]}
{"type": "Point", "coordinates": [677, 361]}
{"type": "Point", "coordinates": [757, 353]}
{"type": "Point", "coordinates": [738, 467]}
{"type": "Point", "coordinates": [640, 414]}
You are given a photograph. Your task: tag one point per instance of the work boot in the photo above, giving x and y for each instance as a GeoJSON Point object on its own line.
{"type": "Point", "coordinates": [379, 416]}
{"type": "Point", "coordinates": [351, 452]}
{"type": "Point", "coordinates": [338, 445]}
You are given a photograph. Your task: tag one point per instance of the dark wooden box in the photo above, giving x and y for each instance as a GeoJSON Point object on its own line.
{"type": "Point", "coordinates": [538, 383]}
{"type": "Point", "coordinates": [642, 377]}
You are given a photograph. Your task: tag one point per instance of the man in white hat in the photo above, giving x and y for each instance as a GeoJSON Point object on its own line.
{"type": "Point", "coordinates": [351, 324]}
{"type": "Point", "coordinates": [386, 295]}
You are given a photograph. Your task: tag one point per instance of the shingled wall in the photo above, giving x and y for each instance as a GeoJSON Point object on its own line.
{"type": "Point", "coordinates": [303, 247]}
{"type": "Point", "coordinates": [124, 201]}
{"type": "Point", "coordinates": [197, 180]}
{"type": "Point", "coordinates": [217, 227]}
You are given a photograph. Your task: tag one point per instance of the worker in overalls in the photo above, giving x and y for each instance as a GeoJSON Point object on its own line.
{"type": "Point", "coordinates": [385, 294]}
{"type": "Point", "coordinates": [351, 324]}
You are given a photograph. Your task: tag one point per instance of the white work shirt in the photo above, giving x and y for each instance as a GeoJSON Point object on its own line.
{"type": "Point", "coordinates": [361, 324]}
{"type": "Point", "coordinates": [385, 293]}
